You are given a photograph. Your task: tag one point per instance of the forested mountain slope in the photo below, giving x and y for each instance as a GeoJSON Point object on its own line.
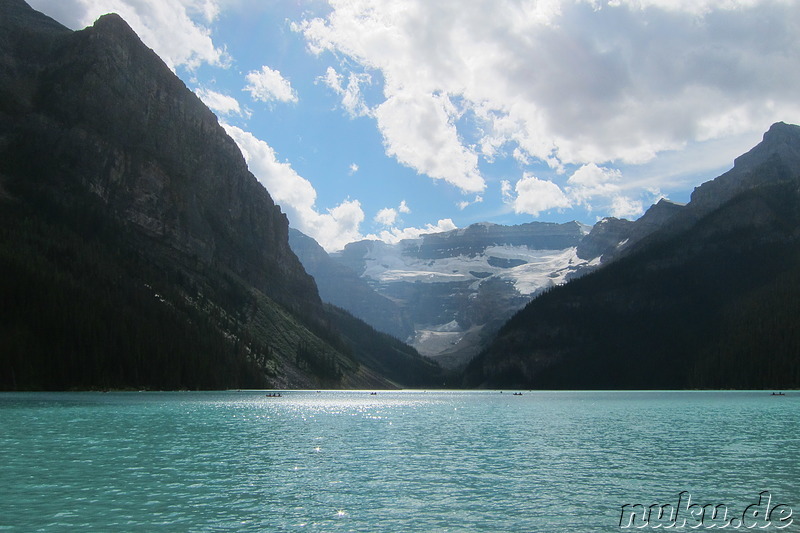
{"type": "Point", "coordinates": [711, 299]}
{"type": "Point", "coordinates": [136, 249]}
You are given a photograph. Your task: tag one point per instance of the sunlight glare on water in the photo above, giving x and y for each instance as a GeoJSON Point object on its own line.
{"type": "Point", "coordinates": [393, 461]}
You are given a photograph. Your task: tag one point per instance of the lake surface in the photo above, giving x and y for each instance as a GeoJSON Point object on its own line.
{"type": "Point", "coordinates": [396, 461]}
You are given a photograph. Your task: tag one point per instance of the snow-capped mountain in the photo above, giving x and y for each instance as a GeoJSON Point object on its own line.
{"type": "Point", "coordinates": [447, 293]}
{"type": "Point", "coordinates": [459, 286]}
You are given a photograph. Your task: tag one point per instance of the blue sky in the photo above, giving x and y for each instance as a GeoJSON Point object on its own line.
{"type": "Point", "coordinates": [387, 118]}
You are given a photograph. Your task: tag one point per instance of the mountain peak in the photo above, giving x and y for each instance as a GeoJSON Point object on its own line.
{"type": "Point", "coordinates": [119, 40]}
{"type": "Point", "coordinates": [114, 162]}
{"type": "Point", "coordinates": [150, 151]}
{"type": "Point", "coordinates": [781, 140]}
{"type": "Point", "coordinates": [782, 129]}
{"type": "Point", "coordinates": [663, 206]}
{"type": "Point", "coordinates": [776, 158]}
{"type": "Point", "coordinates": [112, 22]}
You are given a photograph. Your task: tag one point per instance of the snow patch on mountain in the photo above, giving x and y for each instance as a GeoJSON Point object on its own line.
{"type": "Point", "coordinates": [528, 269]}
{"type": "Point", "coordinates": [455, 284]}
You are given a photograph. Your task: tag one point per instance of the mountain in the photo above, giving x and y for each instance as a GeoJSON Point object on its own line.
{"type": "Point", "coordinates": [136, 248]}
{"type": "Point", "coordinates": [611, 238]}
{"type": "Point", "coordinates": [456, 287]}
{"type": "Point", "coordinates": [774, 160]}
{"type": "Point", "coordinates": [380, 324]}
{"type": "Point", "coordinates": [710, 298]}
{"type": "Point", "coordinates": [342, 287]}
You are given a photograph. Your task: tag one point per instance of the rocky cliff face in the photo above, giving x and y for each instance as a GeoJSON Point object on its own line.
{"type": "Point", "coordinates": [776, 158]}
{"type": "Point", "coordinates": [101, 111]}
{"type": "Point", "coordinates": [475, 239]}
{"type": "Point", "coordinates": [168, 263]}
{"type": "Point", "coordinates": [341, 286]}
{"type": "Point", "coordinates": [606, 237]}
{"type": "Point", "coordinates": [611, 238]}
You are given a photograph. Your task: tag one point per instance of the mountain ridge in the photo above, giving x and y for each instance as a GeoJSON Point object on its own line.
{"type": "Point", "coordinates": [707, 300]}
{"type": "Point", "coordinates": [341, 286]}
{"type": "Point", "coordinates": [455, 287]}
{"type": "Point", "coordinates": [129, 203]}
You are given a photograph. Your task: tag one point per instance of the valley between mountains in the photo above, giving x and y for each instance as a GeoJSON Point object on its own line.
{"type": "Point", "coordinates": [138, 251]}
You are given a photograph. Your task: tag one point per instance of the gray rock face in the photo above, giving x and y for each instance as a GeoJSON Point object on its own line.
{"type": "Point", "coordinates": [98, 110]}
{"type": "Point", "coordinates": [605, 238]}
{"type": "Point", "coordinates": [342, 287]}
{"type": "Point", "coordinates": [776, 158]}
{"type": "Point", "coordinates": [610, 238]}
{"type": "Point", "coordinates": [474, 239]}
{"type": "Point", "coordinates": [26, 39]}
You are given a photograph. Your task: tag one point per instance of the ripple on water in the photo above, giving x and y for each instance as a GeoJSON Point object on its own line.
{"type": "Point", "coordinates": [396, 461]}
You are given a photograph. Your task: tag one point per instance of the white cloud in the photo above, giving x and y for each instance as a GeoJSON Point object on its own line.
{"type": "Point", "coordinates": [534, 195]}
{"type": "Point", "coordinates": [339, 226]}
{"type": "Point", "coordinates": [209, 9]}
{"type": "Point", "coordinates": [591, 181]}
{"type": "Point", "coordinates": [221, 104]}
{"type": "Point", "coordinates": [352, 99]}
{"type": "Point", "coordinates": [170, 27]}
{"type": "Point", "coordinates": [506, 192]}
{"type": "Point", "coordinates": [389, 218]}
{"type": "Point", "coordinates": [466, 203]}
{"type": "Point", "coordinates": [568, 82]}
{"type": "Point", "coordinates": [297, 197]}
{"type": "Point", "coordinates": [623, 207]}
{"type": "Point", "coordinates": [418, 130]}
{"type": "Point", "coordinates": [395, 235]}
{"type": "Point", "coordinates": [695, 7]}
{"type": "Point", "coordinates": [333, 80]}
{"type": "Point", "coordinates": [386, 216]}
{"type": "Point", "coordinates": [593, 186]}
{"type": "Point", "coordinates": [266, 85]}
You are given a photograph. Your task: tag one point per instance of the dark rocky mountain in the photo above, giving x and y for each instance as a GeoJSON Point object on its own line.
{"type": "Point", "coordinates": [136, 248]}
{"type": "Point", "coordinates": [654, 219]}
{"type": "Point", "coordinates": [774, 160]}
{"type": "Point", "coordinates": [710, 297]}
{"type": "Point", "coordinates": [771, 161]}
{"type": "Point", "coordinates": [104, 113]}
{"type": "Point", "coordinates": [605, 238]}
{"type": "Point", "coordinates": [611, 238]}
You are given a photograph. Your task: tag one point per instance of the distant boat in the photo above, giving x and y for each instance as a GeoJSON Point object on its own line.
{"type": "Point", "coordinates": [517, 394]}
{"type": "Point", "coordinates": [778, 394]}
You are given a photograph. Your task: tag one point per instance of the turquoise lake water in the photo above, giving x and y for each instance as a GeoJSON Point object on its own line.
{"type": "Point", "coordinates": [396, 461]}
